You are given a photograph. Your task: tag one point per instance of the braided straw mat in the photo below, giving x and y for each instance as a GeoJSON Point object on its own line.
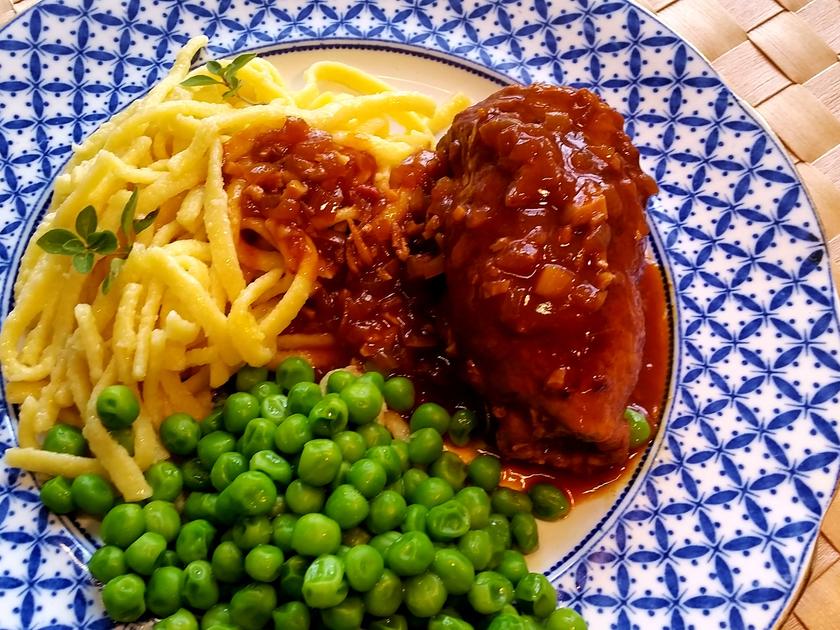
{"type": "Point", "coordinates": [780, 56]}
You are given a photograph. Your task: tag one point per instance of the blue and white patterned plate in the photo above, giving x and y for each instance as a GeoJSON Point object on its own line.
{"type": "Point", "coordinates": [716, 526]}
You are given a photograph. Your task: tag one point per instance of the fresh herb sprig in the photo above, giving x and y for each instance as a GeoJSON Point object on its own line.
{"type": "Point", "coordinates": [87, 242]}
{"type": "Point", "coordinates": [226, 76]}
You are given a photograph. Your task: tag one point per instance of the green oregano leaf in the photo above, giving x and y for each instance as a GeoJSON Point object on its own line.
{"type": "Point", "coordinates": [57, 240]}
{"type": "Point", "coordinates": [200, 80]}
{"type": "Point", "coordinates": [86, 222]}
{"type": "Point", "coordinates": [127, 215]}
{"type": "Point", "coordinates": [104, 242]}
{"type": "Point", "coordinates": [142, 224]}
{"type": "Point", "coordinates": [83, 262]}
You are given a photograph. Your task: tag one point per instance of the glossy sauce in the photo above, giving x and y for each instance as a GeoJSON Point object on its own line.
{"type": "Point", "coordinates": [649, 396]}
{"type": "Point", "coordinates": [380, 292]}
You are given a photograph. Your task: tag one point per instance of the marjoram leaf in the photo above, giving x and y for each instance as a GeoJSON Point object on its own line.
{"type": "Point", "coordinates": [86, 222]}
{"type": "Point", "coordinates": [127, 215]}
{"type": "Point", "coordinates": [83, 262]}
{"type": "Point", "coordinates": [57, 240]}
{"type": "Point", "coordinates": [104, 242]}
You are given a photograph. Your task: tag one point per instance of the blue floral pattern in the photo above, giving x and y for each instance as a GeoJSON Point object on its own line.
{"type": "Point", "coordinates": [717, 529]}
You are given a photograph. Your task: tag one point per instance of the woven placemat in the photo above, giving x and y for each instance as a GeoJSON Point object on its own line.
{"type": "Point", "coordinates": [781, 57]}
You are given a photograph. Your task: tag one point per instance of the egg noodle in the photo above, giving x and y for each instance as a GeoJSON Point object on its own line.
{"type": "Point", "coordinates": [180, 317]}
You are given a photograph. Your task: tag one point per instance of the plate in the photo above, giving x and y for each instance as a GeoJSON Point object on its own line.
{"type": "Point", "coordinates": [716, 525]}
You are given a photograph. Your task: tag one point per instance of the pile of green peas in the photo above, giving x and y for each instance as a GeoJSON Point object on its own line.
{"type": "Point", "coordinates": [290, 506]}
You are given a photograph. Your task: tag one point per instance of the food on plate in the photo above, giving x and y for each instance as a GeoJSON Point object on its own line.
{"type": "Point", "coordinates": [205, 318]}
{"type": "Point", "coordinates": [541, 217]}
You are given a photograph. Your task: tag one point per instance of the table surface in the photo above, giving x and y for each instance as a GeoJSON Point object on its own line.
{"type": "Point", "coordinates": [791, 48]}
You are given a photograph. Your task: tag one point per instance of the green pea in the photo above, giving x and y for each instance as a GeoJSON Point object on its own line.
{"type": "Point", "coordinates": [425, 446]}
{"type": "Point", "coordinates": [282, 530]}
{"type": "Point", "coordinates": [386, 596]}
{"type": "Point", "coordinates": [182, 619]}
{"type": "Point", "coordinates": [212, 445]}
{"type": "Point", "coordinates": [258, 436]}
{"type": "Point", "coordinates": [351, 444]}
{"type": "Point", "coordinates": [512, 565]}
{"type": "Point", "coordinates": [303, 498]}
{"type": "Point", "coordinates": [363, 567]}
{"type": "Point", "coordinates": [227, 468]}
{"type": "Point", "coordinates": [62, 438]}
{"type": "Point", "coordinates": [477, 546]}
{"type": "Point", "coordinates": [363, 399]}
{"type": "Point", "coordinates": [347, 506]}
{"type": "Point", "coordinates": [477, 503]}
{"type": "Point", "coordinates": [355, 536]}
{"type": "Point", "coordinates": [328, 416]}
{"type": "Point", "coordinates": [263, 389]}
{"type": "Point", "coordinates": [316, 534]}
{"type": "Point", "coordinates": [274, 408]}
{"type": "Point", "coordinates": [432, 415]}
{"type": "Point", "coordinates": [338, 380]}
{"type": "Point", "coordinates": [461, 426]}
{"type": "Point", "coordinates": [399, 393]}
{"type": "Point", "coordinates": [239, 409]}
{"type": "Point", "coordinates": [248, 377]}
{"type": "Point", "coordinates": [447, 521]}
{"type": "Point", "coordinates": [500, 536]}
{"type": "Point", "coordinates": [389, 459]}
{"type": "Point", "coordinates": [228, 562]}
{"type": "Point", "coordinates": [382, 542]}
{"type": "Point", "coordinates": [123, 597]}
{"type": "Point", "coordinates": [252, 493]}
{"type": "Point", "coordinates": [202, 505]}
{"type": "Point", "coordinates": [252, 605]}
{"type": "Point", "coordinates": [451, 468]}
{"type": "Point", "coordinates": [194, 541]}
{"type": "Point", "coordinates": [290, 580]}
{"type": "Point", "coordinates": [535, 595]}
{"type": "Point", "coordinates": [523, 528]}
{"type": "Point", "coordinates": [374, 434]}
{"type": "Point", "coordinates": [291, 616]}
{"type": "Point", "coordinates": [550, 503]}
{"type": "Point", "coordinates": [375, 377]}
{"type": "Point", "coordinates": [448, 622]}
{"type": "Point", "coordinates": [117, 407]}
{"type": "Point", "coordinates": [122, 525]}
{"type": "Point", "coordinates": [166, 480]}
{"type": "Point", "coordinates": [273, 465]}
{"type": "Point", "coordinates": [455, 569]}
{"type": "Point", "coordinates": [347, 615]}
{"type": "Point", "coordinates": [92, 494]}
{"type": "Point", "coordinates": [212, 422]}
{"type": "Point", "coordinates": [387, 511]}
{"type": "Point", "coordinates": [319, 462]}
{"type": "Point", "coordinates": [490, 592]}
{"type": "Point", "coordinates": [196, 477]}
{"type": "Point", "coordinates": [368, 477]}
{"type": "Point", "coordinates": [392, 622]}
{"type": "Point", "coordinates": [292, 434]}
{"type": "Point", "coordinates": [125, 438]}
{"type": "Point", "coordinates": [509, 502]}
{"type": "Point", "coordinates": [57, 496]}
{"type": "Point", "coordinates": [412, 479]}
{"type": "Point", "coordinates": [485, 471]}
{"type": "Point", "coordinates": [292, 371]}
{"type": "Point", "coordinates": [303, 397]}
{"type": "Point", "coordinates": [163, 591]}
{"type": "Point", "coordinates": [431, 492]}
{"type": "Point", "coordinates": [425, 595]}
{"type": "Point", "coordinates": [263, 563]}
{"type": "Point", "coordinates": [106, 563]}
{"type": "Point", "coordinates": [180, 433]}
{"type": "Point", "coordinates": [142, 555]}
{"type": "Point", "coordinates": [513, 621]}
{"type": "Point", "coordinates": [415, 518]}
{"type": "Point", "coordinates": [169, 559]}
{"type": "Point", "coordinates": [249, 532]}
{"type": "Point", "coordinates": [162, 518]}
{"type": "Point", "coordinates": [324, 585]}
{"type": "Point", "coordinates": [565, 619]}
{"type": "Point", "coordinates": [218, 615]}
{"type": "Point", "coordinates": [411, 554]}
{"type": "Point", "coordinates": [639, 427]}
